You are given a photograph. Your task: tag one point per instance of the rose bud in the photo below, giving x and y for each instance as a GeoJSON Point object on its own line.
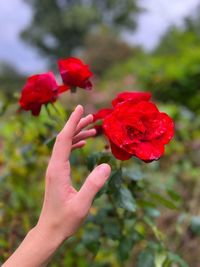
{"type": "Point", "coordinates": [75, 73]}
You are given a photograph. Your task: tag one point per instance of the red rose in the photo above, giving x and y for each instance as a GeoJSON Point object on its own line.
{"type": "Point", "coordinates": [125, 96]}
{"type": "Point", "coordinates": [75, 73]}
{"type": "Point", "coordinates": [99, 130]}
{"type": "Point", "coordinates": [102, 113]}
{"type": "Point", "coordinates": [39, 89]}
{"type": "Point", "coordinates": [134, 96]}
{"type": "Point", "coordinates": [135, 127]}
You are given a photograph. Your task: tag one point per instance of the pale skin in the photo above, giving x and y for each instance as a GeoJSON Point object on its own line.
{"type": "Point", "coordinates": [64, 208]}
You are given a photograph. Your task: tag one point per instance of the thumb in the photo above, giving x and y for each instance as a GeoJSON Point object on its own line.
{"type": "Point", "coordinates": [94, 183]}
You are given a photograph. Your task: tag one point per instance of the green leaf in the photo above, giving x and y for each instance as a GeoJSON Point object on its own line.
{"type": "Point", "coordinates": [92, 161]}
{"type": "Point", "coordinates": [160, 259]}
{"type": "Point", "coordinates": [145, 259]}
{"type": "Point", "coordinates": [113, 184]}
{"type": "Point", "coordinates": [195, 225]}
{"type": "Point", "coordinates": [91, 240]}
{"type": "Point", "coordinates": [163, 201]}
{"type": "Point", "coordinates": [125, 199]}
{"type": "Point", "coordinates": [154, 228]}
{"type": "Point", "coordinates": [96, 159]}
{"type": "Point", "coordinates": [104, 157]}
{"type": "Point", "coordinates": [102, 191]}
{"type": "Point", "coordinates": [177, 259]}
{"type": "Point", "coordinates": [124, 248]}
{"type": "Point", "coordinates": [167, 263]}
{"type": "Point", "coordinates": [112, 229]}
{"type": "Point", "coordinates": [145, 204]}
{"type": "Point", "coordinates": [3, 107]}
{"type": "Point", "coordinates": [115, 181]}
{"type": "Point", "coordinates": [134, 175]}
{"type": "Point", "coordinates": [154, 213]}
{"type": "Point", "coordinates": [173, 195]}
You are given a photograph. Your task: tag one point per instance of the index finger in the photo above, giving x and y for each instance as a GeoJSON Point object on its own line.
{"type": "Point", "coordinates": [62, 147]}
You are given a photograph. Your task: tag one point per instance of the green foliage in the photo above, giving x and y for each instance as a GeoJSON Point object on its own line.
{"type": "Point", "coordinates": [173, 77]}
{"type": "Point", "coordinates": [104, 49]}
{"type": "Point", "coordinates": [195, 225]}
{"type": "Point", "coordinates": [145, 259]}
{"type": "Point", "coordinates": [125, 200]}
{"type": "Point", "coordinates": [192, 23]}
{"type": "Point", "coordinates": [59, 28]}
{"type": "Point", "coordinates": [10, 81]}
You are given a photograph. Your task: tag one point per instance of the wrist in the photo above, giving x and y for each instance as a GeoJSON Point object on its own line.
{"type": "Point", "coordinates": [39, 241]}
{"type": "Point", "coordinates": [47, 235]}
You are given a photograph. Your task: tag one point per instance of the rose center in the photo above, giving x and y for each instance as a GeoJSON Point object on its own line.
{"type": "Point", "coordinates": [132, 132]}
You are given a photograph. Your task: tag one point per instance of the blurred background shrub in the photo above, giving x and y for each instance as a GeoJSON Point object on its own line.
{"type": "Point", "coordinates": [104, 49]}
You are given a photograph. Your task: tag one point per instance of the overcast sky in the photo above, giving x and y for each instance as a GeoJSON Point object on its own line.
{"type": "Point", "coordinates": [15, 15]}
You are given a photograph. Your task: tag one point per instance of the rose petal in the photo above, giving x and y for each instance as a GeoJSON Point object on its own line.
{"type": "Point", "coordinates": [169, 133]}
{"type": "Point", "coordinates": [136, 97]}
{"type": "Point", "coordinates": [127, 110]}
{"type": "Point", "coordinates": [101, 114]}
{"type": "Point", "coordinates": [36, 110]}
{"type": "Point", "coordinates": [148, 151]}
{"type": "Point", "coordinates": [114, 130]}
{"type": "Point", "coordinates": [63, 88]}
{"type": "Point", "coordinates": [119, 153]}
{"type": "Point", "coordinates": [99, 130]}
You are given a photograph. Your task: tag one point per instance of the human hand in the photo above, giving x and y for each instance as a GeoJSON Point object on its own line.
{"type": "Point", "coordinates": [64, 209]}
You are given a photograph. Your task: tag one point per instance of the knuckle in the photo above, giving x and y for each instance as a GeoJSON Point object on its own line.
{"type": "Point", "coordinates": [59, 137]}
{"type": "Point", "coordinates": [79, 213]}
{"type": "Point", "coordinates": [63, 136]}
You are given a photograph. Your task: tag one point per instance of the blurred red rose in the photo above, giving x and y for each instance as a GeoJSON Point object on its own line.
{"type": "Point", "coordinates": [75, 73]}
{"type": "Point", "coordinates": [135, 127]}
{"type": "Point", "coordinates": [40, 89]}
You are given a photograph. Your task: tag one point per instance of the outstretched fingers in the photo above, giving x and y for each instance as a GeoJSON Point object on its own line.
{"type": "Point", "coordinates": [85, 134]}
{"type": "Point", "coordinates": [84, 122]}
{"type": "Point", "coordinates": [80, 144]}
{"type": "Point", "coordinates": [63, 145]}
{"type": "Point", "coordinates": [79, 140]}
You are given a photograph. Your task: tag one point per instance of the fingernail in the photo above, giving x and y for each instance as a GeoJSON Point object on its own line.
{"type": "Point", "coordinates": [79, 107]}
{"type": "Point", "coordinates": [94, 130]}
{"type": "Point", "coordinates": [104, 169]}
{"type": "Point", "coordinates": [91, 117]}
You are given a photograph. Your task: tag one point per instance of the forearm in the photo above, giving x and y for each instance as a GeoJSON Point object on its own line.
{"type": "Point", "coordinates": [36, 249]}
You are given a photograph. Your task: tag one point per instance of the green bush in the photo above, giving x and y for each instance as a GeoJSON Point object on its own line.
{"type": "Point", "coordinates": [172, 77]}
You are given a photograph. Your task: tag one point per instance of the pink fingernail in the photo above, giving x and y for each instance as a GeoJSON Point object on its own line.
{"type": "Point", "coordinates": [104, 168]}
